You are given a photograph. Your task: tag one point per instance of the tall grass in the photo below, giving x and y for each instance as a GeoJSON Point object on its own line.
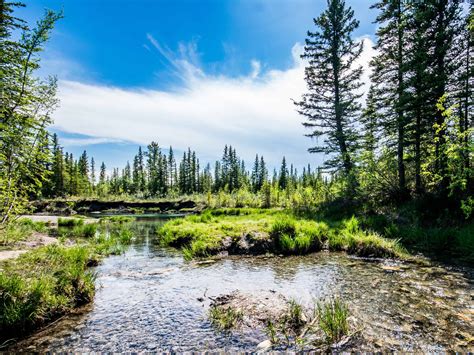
{"type": "Point", "coordinates": [208, 234]}
{"type": "Point", "coordinates": [333, 319]}
{"type": "Point", "coordinates": [49, 281]}
{"type": "Point", "coordinates": [21, 229]}
{"type": "Point", "coordinates": [70, 222]}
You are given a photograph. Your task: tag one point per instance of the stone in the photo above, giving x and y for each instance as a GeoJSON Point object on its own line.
{"type": "Point", "coordinates": [264, 345]}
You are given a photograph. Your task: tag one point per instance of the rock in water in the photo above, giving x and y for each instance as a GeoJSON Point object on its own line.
{"type": "Point", "coordinates": [264, 345]}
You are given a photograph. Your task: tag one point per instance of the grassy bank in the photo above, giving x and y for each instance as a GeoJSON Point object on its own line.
{"type": "Point", "coordinates": [20, 230]}
{"type": "Point", "coordinates": [50, 281]}
{"type": "Point", "coordinates": [257, 231]}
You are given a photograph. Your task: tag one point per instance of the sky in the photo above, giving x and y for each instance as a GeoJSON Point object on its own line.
{"type": "Point", "coordinates": [184, 73]}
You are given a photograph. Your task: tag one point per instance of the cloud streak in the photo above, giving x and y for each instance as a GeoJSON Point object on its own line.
{"type": "Point", "coordinates": [253, 113]}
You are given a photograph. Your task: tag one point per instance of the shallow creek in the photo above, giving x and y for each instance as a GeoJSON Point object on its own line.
{"type": "Point", "coordinates": [149, 299]}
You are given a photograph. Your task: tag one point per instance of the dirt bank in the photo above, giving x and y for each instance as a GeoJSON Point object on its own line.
{"type": "Point", "coordinates": [70, 207]}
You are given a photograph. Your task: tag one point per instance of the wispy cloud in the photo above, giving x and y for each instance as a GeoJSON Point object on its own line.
{"type": "Point", "coordinates": [254, 113]}
{"type": "Point", "coordinates": [78, 142]}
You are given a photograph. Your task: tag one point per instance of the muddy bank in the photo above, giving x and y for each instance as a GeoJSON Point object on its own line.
{"type": "Point", "coordinates": [71, 207]}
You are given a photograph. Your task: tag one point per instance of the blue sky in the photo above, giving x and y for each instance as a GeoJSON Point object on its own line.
{"type": "Point", "coordinates": [184, 73]}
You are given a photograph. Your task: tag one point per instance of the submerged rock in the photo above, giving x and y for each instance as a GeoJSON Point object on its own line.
{"type": "Point", "coordinates": [264, 345]}
{"type": "Point", "coordinates": [257, 308]}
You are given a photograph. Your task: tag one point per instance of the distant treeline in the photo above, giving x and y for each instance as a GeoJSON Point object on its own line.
{"type": "Point", "coordinates": [155, 174]}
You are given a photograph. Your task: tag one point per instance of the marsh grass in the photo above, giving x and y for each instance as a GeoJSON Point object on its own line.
{"type": "Point", "coordinates": [333, 319]}
{"type": "Point", "coordinates": [204, 235]}
{"type": "Point", "coordinates": [20, 230]}
{"type": "Point", "coordinates": [225, 318]}
{"type": "Point", "coordinates": [50, 281]}
{"type": "Point", "coordinates": [295, 317]}
{"type": "Point", "coordinates": [70, 222]}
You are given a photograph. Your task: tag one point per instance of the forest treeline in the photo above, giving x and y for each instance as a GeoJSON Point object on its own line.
{"type": "Point", "coordinates": [155, 174]}
{"type": "Point", "coordinates": [408, 137]}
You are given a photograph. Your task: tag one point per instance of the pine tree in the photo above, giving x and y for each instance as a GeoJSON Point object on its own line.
{"type": "Point", "coordinates": [331, 105]}
{"type": "Point", "coordinates": [93, 174]}
{"type": "Point", "coordinates": [172, 170]}
{"type": "Point", "coordinates": [57, 168]}
{"type": "Point", "coordinates": [263, 173]}
{"type": "Point", "coordinates": [255, 174]}
{"type": "Point", "coordinates": [389, 71]}
{"type": "Point", "coordinates": [283, 177]}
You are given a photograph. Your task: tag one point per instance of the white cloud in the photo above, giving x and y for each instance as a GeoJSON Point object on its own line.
{"type": "Point", "coordinates": [78, 142]}
{"type": "Point", "coordinates": [253, 113]}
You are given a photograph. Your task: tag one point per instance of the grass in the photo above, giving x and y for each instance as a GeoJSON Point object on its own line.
{"type": "Point", "coordinates": [117, 219]}
{"type": "Point", "coordinates": [278, 231]}
{"type": "Point", "coordinates": [295, 317]}
{"type": "Point", "coordinates": [70, 222]}
{"type": "Point", "coordinates": [47, 282]}
{"type": "Point", "coordinates": [333, 319]}
{"type": "Point", "coordinates": [21, 229]}
{"type": "Point", "coordinates": [225, 318]}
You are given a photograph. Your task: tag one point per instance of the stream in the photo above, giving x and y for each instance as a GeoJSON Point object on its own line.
{"type": "Point", "coordinates": [150, 299]}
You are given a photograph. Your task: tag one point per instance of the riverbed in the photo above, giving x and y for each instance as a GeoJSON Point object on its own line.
{"type": "Point", "coordinates": [151, 299]}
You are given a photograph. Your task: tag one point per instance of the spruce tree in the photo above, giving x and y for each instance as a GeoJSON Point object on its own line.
{"type": "Point", "coordinates": [283, 177]}
{"type": "Point", "coordinates": [331, 103]}
{"type": "Point", "coordinates": [388, 77]}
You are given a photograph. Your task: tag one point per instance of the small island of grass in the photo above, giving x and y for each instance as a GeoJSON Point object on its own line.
{"type": "Point", "coordinates": [260, 231]}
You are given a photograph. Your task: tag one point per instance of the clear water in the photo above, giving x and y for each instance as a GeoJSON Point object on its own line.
{"type": "Point", "coordinates": [147, 300]}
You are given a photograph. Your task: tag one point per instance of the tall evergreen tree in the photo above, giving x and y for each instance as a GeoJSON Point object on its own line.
{"type": "Point", "coordinates": [283, 177]}
{"type": "Point", "coordinates": [389, 71]}
{"type": "Point", "coordinates": [331, 103]}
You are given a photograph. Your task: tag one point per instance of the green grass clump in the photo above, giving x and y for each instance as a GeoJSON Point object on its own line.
{"type": "Point", "coordinates": [208, 234]}
{"type": "Point", "coordinates": [225, 318]}
{"type": "Point", "coordinates": [41, 285]}
{"type": "Point", "coordinates": [295, 317]}
{"type": "Point", "coordinates": [293, 236]}
{"type": "Point", "coordinates": [70, 222]}
{"type": "Point", "coordinates": [49, 281]}
{"type": "Point", "coordinates": [333, 319]}
{"type": "Point", "coordinates": [85, 231]}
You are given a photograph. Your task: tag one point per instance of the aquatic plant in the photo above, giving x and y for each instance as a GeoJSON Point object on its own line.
{"type": "Point", "coordinates": [295, 317]}
{"type": "Point", "coordinates": [225, 318]}
{"type": "Point", "coordinates": [333, 319]}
